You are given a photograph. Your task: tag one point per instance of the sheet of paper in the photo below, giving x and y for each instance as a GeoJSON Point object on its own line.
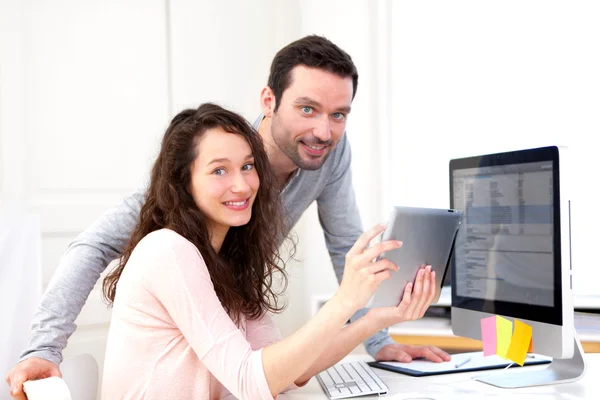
{"type": "Point", "coordinates": [475, 359]}
{"type": "Point", "coordinates": [519, 343]}
{"type": "Point", "coordinates": [488, 335]}
{"type": "Point", "coordinates": [504, 335]}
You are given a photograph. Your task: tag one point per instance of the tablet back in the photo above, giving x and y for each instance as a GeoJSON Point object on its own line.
{"type": "Point", "coordinates": [428, 236]}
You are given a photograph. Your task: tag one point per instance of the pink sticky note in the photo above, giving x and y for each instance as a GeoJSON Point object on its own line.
{"type": "Point", "coordinates": [488, 335]}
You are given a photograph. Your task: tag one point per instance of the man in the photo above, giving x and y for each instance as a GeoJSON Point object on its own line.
{"type": "Point", "coordinates": [305, 106]}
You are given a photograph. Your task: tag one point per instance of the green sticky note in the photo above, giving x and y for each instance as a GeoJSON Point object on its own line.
{"type": "Point", "coordinates": [503, 336]}
{"type": "Point", "coordinates": [519, 344]}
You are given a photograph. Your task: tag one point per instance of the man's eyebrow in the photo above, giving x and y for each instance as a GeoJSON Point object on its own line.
{"type": "Point", "coordinates": [220, 160]}
{"type": "Point", "coordinates": [307, 101]}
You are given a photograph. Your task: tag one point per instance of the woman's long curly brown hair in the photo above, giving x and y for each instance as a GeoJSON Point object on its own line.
{"type": "Point", "coordinates": [242, 271]}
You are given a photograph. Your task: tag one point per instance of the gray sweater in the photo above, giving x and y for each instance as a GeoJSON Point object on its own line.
{"type": "Point", "coordinates": [87, 257]}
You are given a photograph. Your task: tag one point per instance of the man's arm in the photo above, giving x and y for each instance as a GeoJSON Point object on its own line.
{"type": "Point", "coordinates": [341, 223]}
{"type": "Point", "coordinates": [77, 273]}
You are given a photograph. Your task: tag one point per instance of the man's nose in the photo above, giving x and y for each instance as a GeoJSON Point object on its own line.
{"type": "Point", "coordinates": [323, 130]}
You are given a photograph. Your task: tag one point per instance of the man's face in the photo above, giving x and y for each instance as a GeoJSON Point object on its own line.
{"type": "Point", "coordinates": [312, 115]}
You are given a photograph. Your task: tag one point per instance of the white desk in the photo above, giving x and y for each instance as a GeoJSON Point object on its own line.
{"type": "Point", "coordinates": [462, 387]}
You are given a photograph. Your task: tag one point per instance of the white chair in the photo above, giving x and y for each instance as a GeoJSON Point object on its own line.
{"type": "Point", "coordinates": [81, 375]}
{"type": "Point", "coordinates": [20, 282]}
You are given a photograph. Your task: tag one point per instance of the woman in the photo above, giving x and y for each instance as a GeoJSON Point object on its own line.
{"type": "Point", "coordinates": [191, 316]}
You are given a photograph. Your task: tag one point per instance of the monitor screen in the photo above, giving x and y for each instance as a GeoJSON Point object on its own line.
{"type": "Point", "coordinates": [507, 254]}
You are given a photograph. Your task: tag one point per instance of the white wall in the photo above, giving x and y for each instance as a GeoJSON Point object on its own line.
{"type": "Point", "coordinates": [221, 51]}
{"type": "Point", "coordinates": [474, 77]}
{"type": "Point", "coordinates": [83, 102]}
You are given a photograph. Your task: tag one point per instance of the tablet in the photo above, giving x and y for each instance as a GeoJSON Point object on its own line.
{"type": "Point", "coordinates": [428, 236]}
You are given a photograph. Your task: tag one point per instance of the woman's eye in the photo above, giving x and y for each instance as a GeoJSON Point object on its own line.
{"type": "Point", "coordinates": [248, 167]}
{"type": "Point", "coordinates": [307, 110]}
{"type": "Point", "coordinates": [219, 171]}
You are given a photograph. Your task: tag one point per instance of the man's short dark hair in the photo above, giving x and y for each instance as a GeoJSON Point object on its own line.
{"type": "Point", "coordinates": [314, 52]}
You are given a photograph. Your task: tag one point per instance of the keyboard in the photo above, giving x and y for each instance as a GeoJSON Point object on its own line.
{"type": "Point", "coordinates": [351, 379]}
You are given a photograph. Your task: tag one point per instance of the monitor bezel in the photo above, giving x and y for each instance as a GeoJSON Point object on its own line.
{"type": "Point", "coordinates": [551, 315]}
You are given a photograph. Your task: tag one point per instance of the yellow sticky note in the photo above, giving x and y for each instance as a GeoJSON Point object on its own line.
{"type": "Point", "coordinates": [503, 335]}
{"type": "Point", "coordinates": [519, 344]}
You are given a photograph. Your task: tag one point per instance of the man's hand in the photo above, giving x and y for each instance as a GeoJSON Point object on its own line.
{"type": "Point", "coordinates": [406, 353]}
{"type": "Point", "coordinates": [31, 369]}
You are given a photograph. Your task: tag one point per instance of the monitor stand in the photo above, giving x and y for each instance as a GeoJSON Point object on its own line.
{"type": "Point", "coordinates": [559, 371]}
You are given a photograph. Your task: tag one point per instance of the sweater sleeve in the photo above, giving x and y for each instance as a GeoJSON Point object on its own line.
{"type": "Point", "coordinates": [79, 270]}
{"type": "Point", "coordinates": [178, 277]}
{"type": "Point", "coordinates": [263, 332]}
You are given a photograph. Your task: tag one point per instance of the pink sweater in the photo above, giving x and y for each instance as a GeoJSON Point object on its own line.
{"type": "Point", "coordinates": [170, 337]}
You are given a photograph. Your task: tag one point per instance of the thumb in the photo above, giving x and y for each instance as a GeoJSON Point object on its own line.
{"type": "Point", "coordinates": [16, 383]}
{"type": "Point", "coordinates": [54, 371]}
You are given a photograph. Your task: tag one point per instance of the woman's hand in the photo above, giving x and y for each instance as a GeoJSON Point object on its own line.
{"type": "Point", "coordinates": [362, 275]}
{"type": "Point", "coordinates": [415, 302]}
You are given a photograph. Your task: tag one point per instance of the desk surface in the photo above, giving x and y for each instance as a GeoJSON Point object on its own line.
{"type": "Point", "coordinates": [461, 386]}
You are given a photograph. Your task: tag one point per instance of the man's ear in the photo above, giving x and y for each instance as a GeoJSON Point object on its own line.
{"type": "Point", "coordinates": [267, 101]}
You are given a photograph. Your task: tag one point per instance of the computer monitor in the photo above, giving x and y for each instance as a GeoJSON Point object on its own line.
{"type": "Point", "coordinates": [512, 256]}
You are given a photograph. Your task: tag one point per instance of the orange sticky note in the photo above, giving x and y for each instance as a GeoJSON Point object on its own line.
{"type": "Point", "coordinates": [530, 349]}
{"type": "Point", "coordinates": [503, 335]}
{"type": "Point", "coordinates": [519, 343]}
{"type": "Point", "coordinates": [488, 335]}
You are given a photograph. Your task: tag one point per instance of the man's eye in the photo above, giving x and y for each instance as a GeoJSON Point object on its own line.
{"type": "Point", "coordinates": [248, 167]}
{"type": "Point", "coordinates": [219, 171]}
{"type": "Point", "coordinates": [307, 110]}
{"type": "Point", "coordinates": [339, 116]}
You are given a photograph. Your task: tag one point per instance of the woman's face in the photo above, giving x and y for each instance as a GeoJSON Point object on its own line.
{"type": "Point", "coordinates": [224, 181]}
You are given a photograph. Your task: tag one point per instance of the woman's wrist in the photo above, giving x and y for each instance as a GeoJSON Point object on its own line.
{"type": "Point", "coordinates": [343, 304]}
{"type": "Point", "coordinates": [376, 320]}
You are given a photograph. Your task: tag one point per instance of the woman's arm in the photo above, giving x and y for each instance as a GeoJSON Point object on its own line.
{"type": "Point", "coordinates": [413, 306]}
{"type": "Point", "coordinates": [286, 361]}
{"type": "Point", "coordinates": [182, 283]}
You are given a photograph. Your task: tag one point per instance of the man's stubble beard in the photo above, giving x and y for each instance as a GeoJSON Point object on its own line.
{"type": "Point", "coordinates": [290, 149]}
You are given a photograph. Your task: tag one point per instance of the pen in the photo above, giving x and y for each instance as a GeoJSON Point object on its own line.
{"type": "Point", "coordinates": [463, 362]}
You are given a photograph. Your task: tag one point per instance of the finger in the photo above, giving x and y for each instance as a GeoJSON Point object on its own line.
{"type": "Point", "coordinates": [364, 239]}
{"type": "Point", "coordinates": [378, 249]}
{"type": "Point", "coordinates": [425, 295]}
{"type": "Point", "coordinates": [402, 356]}
{"type": "Point", "coordinates": [16, 384]}
{"type": "Point", "coordinates": [428, 296]}
{"type": "Point", "coordinates": [416, 295]}
{"type": "Point", "coordinates": [19, 396]}
{"type": "Point", "coordinates": [430, 355]}
{"type": "Point", "coordinates": [406, 300]}
{"type": "Point", "coordinates": [17, 379]}
{"type": "Point", "coordinates": [440, 353]}
{"type": "Point", "coordinates": [381, 265]}
{"type": "Point", "coordinates": [56, 372]}
{"type": "Point", "coordinates": [382, 276]}
{"type": "Point", "coordinates": [425, 352]}
{"type": "Point", "coordinates": [433, 288]}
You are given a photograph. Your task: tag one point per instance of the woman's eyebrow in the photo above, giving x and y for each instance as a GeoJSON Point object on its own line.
{"type": "Point", "coordinates": [220, 160]}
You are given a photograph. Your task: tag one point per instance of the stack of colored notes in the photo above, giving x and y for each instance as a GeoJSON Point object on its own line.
{"type": "Point", "coordinates": [500, 339]}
